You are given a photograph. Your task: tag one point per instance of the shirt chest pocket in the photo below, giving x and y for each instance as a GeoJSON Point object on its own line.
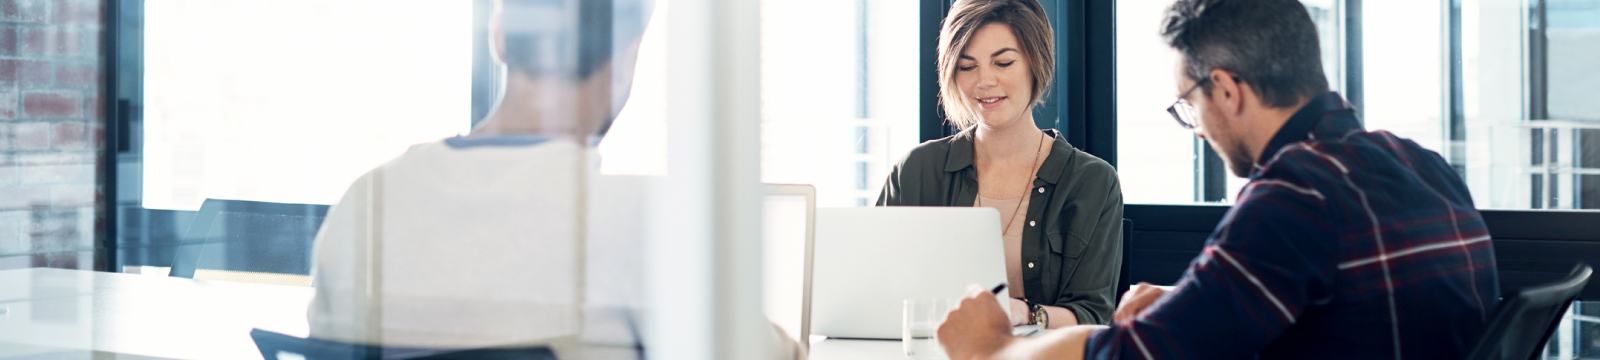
{"type": "Point", "coordinates": [1063, 245]}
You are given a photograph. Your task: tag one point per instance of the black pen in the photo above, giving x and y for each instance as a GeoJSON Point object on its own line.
{"type": "Point", "coordinates": [998, 288]}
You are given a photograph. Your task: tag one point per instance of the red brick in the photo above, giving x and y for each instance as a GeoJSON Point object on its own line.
{"type": "Point", "coordinates": [52, 104]}
{"type": "Point", "coordinates": [71, 75]}
{"type": "Point", "coordinates": [73, 195]}
{"type": "Point", "coordinates": [25, 73]}
{"type": "Point", "coordinates": [68, 260]}
{"type": "Point", "coordinates": [33, 11]}
{"type": "Point", "coordinates": [49, 41]}
{"type": "Point", "coordinates": [8, 40]}
{"type": "Point", "coordinates": [72, 136]}
{"type": "Point", "coordinates": [30, 136]}
{"type": "Point", "coordinates": [97, 110]}
{"type": "Point", "coordinates": [77, 12]}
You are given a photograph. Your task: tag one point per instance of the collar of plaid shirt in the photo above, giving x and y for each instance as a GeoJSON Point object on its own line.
{"type": "Point", "coordinates": [1299, 126]}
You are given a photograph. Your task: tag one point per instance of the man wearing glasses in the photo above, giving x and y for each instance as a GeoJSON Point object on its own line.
{"type": "Point", "coordinates": [1345, 244]}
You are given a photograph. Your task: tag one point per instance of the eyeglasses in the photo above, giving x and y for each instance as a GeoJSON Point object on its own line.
{"type": "Point", "coordinates": [1185, 114]}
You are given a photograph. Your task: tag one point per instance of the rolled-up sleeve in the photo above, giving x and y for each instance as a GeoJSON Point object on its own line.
{"type": "Point", "coordinates": [1097, 224]}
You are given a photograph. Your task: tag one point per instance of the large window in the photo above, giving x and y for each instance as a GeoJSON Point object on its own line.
{"type": "Point", "coordinates": [207, 115]}
{"type": "Point", "coordinates": [283, 102]}
{"type": "Point", "coordinates": [838, 101]}
{"type": "Point", "coordinates": [1506, 92]}
{"type": "Point", "coordinates": [290, 101]}
{"type": "Point", "coordinates": [1159, 162]}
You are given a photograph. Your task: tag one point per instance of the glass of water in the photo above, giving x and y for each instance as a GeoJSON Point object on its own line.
{"type": "Point", "coordinates": [920, 323]}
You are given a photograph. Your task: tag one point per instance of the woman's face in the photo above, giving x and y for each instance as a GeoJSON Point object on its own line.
{"type": "Point", "coordinates": [993, 76]}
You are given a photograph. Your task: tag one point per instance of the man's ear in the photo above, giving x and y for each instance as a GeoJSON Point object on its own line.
{"type": "Point", "coordinates": [497, 37]}
{"type": "Point", "coordinates": [1227, 92]}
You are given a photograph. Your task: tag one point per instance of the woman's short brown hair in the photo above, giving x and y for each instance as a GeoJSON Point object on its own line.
{"type": "Point", "coordinates": [1027, 21]}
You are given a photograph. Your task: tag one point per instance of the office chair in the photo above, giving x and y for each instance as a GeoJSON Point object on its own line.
{"type": "Point", "coordinates": [272, 344]}
{"type": "Point", "coordinates": [1524, 319]}
{"type": "Point", "coordinates": [249, 237]}
{"type": "Point", "coordinates": [1123, 280]}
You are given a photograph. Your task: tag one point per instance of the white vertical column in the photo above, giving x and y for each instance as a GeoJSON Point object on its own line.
{"type": "Point", "coordinates": [703, 250]}
{"type": "Point", "coordinates": [741, 330]}
{"type": "Point", "coordinates": [678, 249]}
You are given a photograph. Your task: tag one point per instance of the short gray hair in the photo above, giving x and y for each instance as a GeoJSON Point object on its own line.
{"type": "Point", "coordinates": [1270, 44]}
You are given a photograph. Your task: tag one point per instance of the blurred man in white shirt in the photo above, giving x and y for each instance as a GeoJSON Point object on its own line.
{"type": "Point", "coordinates": [479, 238]}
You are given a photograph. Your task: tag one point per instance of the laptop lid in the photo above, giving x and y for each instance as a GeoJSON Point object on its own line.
{"type": "Point", "coordinates": [869, 260]}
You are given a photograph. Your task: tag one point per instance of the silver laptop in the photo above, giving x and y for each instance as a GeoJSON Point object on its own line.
{"type": "Point", "coordinates": [867, 261]}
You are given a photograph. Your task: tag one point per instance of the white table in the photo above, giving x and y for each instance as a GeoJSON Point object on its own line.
{"type": "Point", "coordinates": [54, 313]}
{"type": "Point", "coordinates": [835, 349]}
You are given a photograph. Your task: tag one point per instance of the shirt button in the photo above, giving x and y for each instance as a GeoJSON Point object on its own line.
{"type": "Point", "coordinates": [1030, 264]}
{"type": "Point", "coordinates": [1041, 189]}
{"type": "Point", "coordinates": [1030, 222]}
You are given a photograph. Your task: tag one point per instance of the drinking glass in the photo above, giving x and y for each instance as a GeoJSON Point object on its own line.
{"type": "Point", "coordinates": [921, 319]}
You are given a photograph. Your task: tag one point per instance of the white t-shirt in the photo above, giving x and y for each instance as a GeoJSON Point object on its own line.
{"type": "Point", "coordinates": [478, 248]}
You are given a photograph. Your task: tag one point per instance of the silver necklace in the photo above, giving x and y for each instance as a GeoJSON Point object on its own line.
{"type": "Point", "coordinates": [1036, 151]}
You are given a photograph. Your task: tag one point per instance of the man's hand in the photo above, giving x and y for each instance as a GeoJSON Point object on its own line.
{"type": "Point", "coordinates": [1136, 299]}
{"type": "Point", "coordinates": [977, 328]}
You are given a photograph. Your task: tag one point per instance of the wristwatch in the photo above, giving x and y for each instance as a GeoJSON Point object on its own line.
{"type": "Point", "coordinates": [1040, 317]}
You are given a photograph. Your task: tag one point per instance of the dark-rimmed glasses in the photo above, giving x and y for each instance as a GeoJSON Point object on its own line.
{"type": "Point", "coordinates": [1183, 112]}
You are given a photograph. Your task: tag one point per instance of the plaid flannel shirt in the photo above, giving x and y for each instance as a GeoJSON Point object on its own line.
{"type": "Point", "coordinates": [1345, 244]}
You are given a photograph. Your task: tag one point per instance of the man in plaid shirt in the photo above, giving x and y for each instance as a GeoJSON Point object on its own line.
{"type": "Point", "coordinates": [1345, 244]}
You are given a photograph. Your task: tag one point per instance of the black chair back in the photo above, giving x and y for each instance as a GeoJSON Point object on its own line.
{"type": "Point", "coordinates": [1123, 281]}
{"type": "Point", "coordinates": [249, 236]}
{"type": "Point", "coordinates": [273, 344]}
{"type": "Point", "coordinates": [1524, 319]}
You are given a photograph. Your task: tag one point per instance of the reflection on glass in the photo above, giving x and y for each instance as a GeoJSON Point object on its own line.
{"type": "Point", "coordinates": [249, 241]}
{"type": "Point", "coordinates": [507, 236]}
{"type": "Point", "coordinates": [51, 137]}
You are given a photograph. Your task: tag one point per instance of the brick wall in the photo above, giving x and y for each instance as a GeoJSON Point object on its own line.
{"type": "Point", "coordinates": [50, 132]}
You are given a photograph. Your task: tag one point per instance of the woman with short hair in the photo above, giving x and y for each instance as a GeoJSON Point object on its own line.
{"type": "Point", "coordinates": [1060, 208]}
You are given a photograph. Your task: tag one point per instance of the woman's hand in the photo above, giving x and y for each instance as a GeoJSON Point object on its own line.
{"type": "Point", "coordinates": [1020, 313]}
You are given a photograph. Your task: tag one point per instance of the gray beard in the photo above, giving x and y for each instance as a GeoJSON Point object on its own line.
{"type": "Point", "coordinates": [1239, 160]}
